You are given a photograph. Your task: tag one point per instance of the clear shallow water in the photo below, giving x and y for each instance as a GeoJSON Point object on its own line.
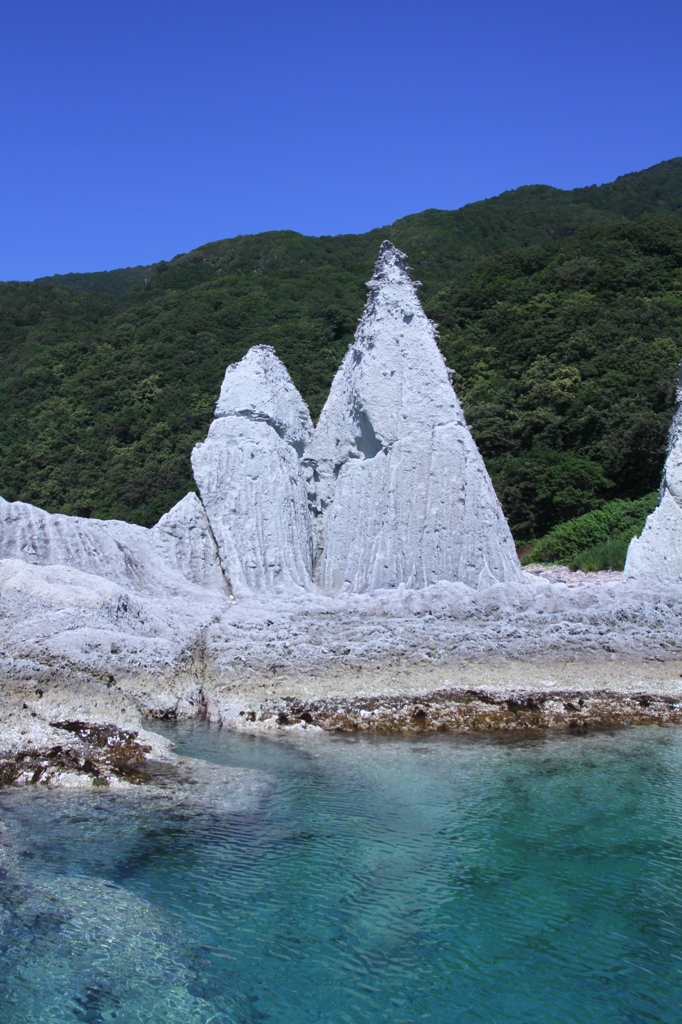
{"type": "Point", "coordinates": [441, 880]}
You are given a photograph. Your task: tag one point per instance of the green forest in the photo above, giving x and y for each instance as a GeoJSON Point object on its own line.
{"type": "Point", "coordinates": [560, 312]}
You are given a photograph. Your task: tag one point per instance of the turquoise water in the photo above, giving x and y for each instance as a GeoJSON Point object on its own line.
{"type": "Point", "coordinates": [443, 880]}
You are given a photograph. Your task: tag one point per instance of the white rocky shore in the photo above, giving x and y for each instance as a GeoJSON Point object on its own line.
{"type": "Point", "coordinates": [358, 575]}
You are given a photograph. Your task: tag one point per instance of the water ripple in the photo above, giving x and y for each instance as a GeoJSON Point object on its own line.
{"type": "Point", "coordinates": [394, 881]}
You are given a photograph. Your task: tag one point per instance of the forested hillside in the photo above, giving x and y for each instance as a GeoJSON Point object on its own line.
{"type": "Point", "coordinates": [561, 313]}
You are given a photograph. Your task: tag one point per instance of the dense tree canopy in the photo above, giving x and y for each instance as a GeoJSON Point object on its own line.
{"type": "Point", "coordinates": [561, 313]}
{"type": "Point", "coordinates": [566, 361]}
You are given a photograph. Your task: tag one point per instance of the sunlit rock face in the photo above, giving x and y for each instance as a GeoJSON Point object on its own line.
{"type": "Point", "coordinates": [397, 486]}
{"type": "Point", "coordinates": [260, 389]}
{"type": "Point", "coordinates": [184, 540]}
{"type": "Point", "coordinates": [250, 481]}
{"type": "Point", "coordinates": [110, 548]}
{"type": "Point", "coordinates": [656, 556]}
{"type": "Point", "coordinates": [672, 473]}
{"type": "Point", "coordinates": [179, 549]}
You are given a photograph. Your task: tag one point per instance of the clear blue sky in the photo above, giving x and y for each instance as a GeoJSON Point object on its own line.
{"type": "Point", "coordinates": [131, 130]}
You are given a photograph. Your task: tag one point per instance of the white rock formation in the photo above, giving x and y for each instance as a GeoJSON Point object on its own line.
{"type": "Point", "coordinates": [672, 472]}
{"type": "Point", "coordinates": [179, 549]}
{"type": "Point", "coordinates": [260, 389]}
{"type": "Point", "coordinates": [97, 594]}
{"type": "Point", "coordinates": [397, 485]}
{"type": "Point", "coordinates": [250, 480]}
{"type": "Point", "coordinates": [110, 548]}
{"type": "Point", "coordinates": [656, 556]}
{"type": "Point", "coordinates": [184, 540]}
{"type": "Point", "coordinates": [398, 491]}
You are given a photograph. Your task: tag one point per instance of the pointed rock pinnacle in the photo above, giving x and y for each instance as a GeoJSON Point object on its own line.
{"type": "Point", "coordinates": [398, 488]}
{"type": "Point", "coordinates": [250, 480]}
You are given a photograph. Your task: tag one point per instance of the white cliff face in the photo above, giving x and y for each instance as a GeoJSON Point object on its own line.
{"type": "Point", "coordinates": [398, 488]}
{"type": "Point", "coordinates": [184, 540]}
{"type": "Point", "coordinates": [656, 556]}
{"type": "Point", "coordinates": [672, 473]}
{"type": "Point", "coordinates": [250, 480]}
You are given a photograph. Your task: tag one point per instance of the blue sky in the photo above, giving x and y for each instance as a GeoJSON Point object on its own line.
{"type": "Point", "coordinates": [131, 130]}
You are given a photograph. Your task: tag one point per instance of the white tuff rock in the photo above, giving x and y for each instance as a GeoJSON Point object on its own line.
{"type": "Point", "coordinates": [672, 473]}
{"type": "Point", "coordinates": [656, 556]}
{"type": "Point", "coordinates": [250, 481]}
{"type": "Point", "coordinates": [396, 481]}
{"type": "Point", "coordinates": [259, 388]}
{"type": "Point", "coordinates": [95, 593]}
{"type": "Point", "coordinates": [110, 548]}
{"type": "Point", "coordinates": [184, 540]}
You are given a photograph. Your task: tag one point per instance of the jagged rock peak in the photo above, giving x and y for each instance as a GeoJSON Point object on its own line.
{"type": "Point", "coordinates": [391, 265]}
{"type": "Point", "coordinates": [259, 388]}
{"type": "Point", "coordinates": [395, 481]}
{"type": "Point", "coordinates": [393, 379]}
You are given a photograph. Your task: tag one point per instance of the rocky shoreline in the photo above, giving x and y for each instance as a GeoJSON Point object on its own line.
{"type": "Point", "coordinates": [447, 711]}
{"type": "Point", "coordinates": [60, 727]}
{"type": "Point", "coordinates": [355, 576]}
{"type": "Point", "coordinates": [555, 652]}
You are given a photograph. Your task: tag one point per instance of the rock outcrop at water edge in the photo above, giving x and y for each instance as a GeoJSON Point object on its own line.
{"type": "Point", "coordinates": [397, 485]}
{"type": "Point", "coordinates": [656, 557]}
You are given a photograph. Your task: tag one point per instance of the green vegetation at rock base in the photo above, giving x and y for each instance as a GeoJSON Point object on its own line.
{"type": "Point", "coordinates": [598, 538]}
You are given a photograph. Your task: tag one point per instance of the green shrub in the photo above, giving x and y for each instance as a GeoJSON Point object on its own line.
{"type": "Point", "coordinates": [616, 521]}
{"type": "Point", "coordinates": [609, 554]}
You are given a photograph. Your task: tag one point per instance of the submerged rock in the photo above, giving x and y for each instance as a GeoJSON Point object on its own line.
{"type": "Point", "coordinates": [82, 948]}
{"type": "Point", "coordinates": [656, 556]}
{"type": "Point", "coordinates": [250, 480]}
{"type": "Point", "coordinates": [396, 482]}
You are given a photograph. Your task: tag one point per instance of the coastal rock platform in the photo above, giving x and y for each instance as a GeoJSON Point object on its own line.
{"type": "Point", "coordinates": [540, 654]}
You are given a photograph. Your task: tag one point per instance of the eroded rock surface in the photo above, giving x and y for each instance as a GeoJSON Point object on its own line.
{"type": "Point", "coordinates": [250, 480]}
{"type": "Point", "coordinates": [656, 556]}
{"type": "Point", "coordinates": [397, 485]}
{"type": "Point", "coordinates": [177, 551]}
{"type": "Point", "coordinates": [259, 388]}
{"type": "Point", "coordinates": [119, 551]}
{"type": "Point", "coordinates": [184, 539]}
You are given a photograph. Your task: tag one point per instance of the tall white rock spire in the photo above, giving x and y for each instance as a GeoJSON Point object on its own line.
{"type": "Point", "coordinates": [397, 486]}
{"type": "Point", "coordinates": [656, 556]}
{"type": "Point", "coordinates": [250, 481]}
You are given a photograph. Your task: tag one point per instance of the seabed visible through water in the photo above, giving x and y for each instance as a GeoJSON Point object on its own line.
{"type": "Point", "coordinates": [398, 880]}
